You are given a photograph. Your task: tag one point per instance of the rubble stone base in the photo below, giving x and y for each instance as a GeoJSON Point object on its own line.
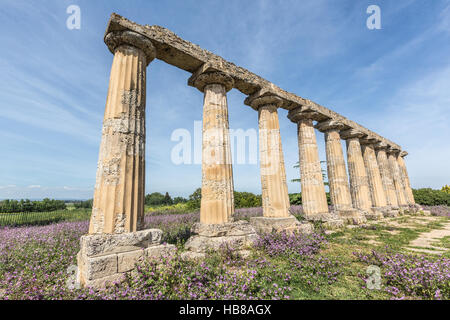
{"type": "Point", "coordinates": [330, 220]}
{"type": "Point", "coordinates": [352, 216]}
{"type": "Point", "coordinates": [375, 213]}
{"type": "Point", "coordinates": [239, 235]}
{"type": "Point", "coordinates": [105, 259]}
{"type": "Point", "coordinates": [289, 224]}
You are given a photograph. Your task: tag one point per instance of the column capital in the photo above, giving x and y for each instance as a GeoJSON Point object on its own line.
{"type": "Point", "coordinates": [257, 102]}
{"type": "Point", "coordinates": [351, 134]}
{"type": "Point", "coordinates": [381, 146]}
{"type": "Point", "coordinates": [392, 150]}
{"type": "Point", "coordinates": [369, 140]}
{"type": "Point", "coordinates": [403, 154]}
{"type": "Point", "coordinates": [300, 114]}
{"type": "Point", "coordinates": [330, 124]}
{"type": "Point", "coordinates": [208, 75]}
{"type": "Point", "coordinates": [116, 39]}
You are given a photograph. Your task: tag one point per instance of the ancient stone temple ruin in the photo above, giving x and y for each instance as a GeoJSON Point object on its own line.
{"type": "Point", "coordinates": [377, 184]}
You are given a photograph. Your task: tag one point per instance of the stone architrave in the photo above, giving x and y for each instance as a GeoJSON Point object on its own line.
{"type": "Point", "coordinates": [337, 174]}
{"type": "Point", "coordinates": [275, 197]}
{"type": "Point", "coordinates": [314, 199]}
{"type": "Point", "coordinates": [386, 177]}
{"type": "Point", "coordinates": [217, 226]}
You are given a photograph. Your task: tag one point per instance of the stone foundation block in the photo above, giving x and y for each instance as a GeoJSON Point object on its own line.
{"type": "Point", "coordinates": [375, 213]}
{"type": "Point", "coordinates": [106, 258]}
{"type": "Point", "coordinates": [288, 224]}
{"type": "Point", "coordinates": [330, 220]}
{"type": "Point", "coordinates": [352, 216]}
{"type": "Point", "coordinates": [240, 235]}
{"type": "Point", "coordinates": [127, 260]}
{"type": "Point", "coordinates": [158, 251]}
{"type": "Point", "coordinates": [95, 244]}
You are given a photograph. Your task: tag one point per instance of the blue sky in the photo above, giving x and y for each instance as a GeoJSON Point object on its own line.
{"type": "Point", "coordinates": [53, 81]}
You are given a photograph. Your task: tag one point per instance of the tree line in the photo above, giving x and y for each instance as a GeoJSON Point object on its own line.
{"type": "Point", "coordinates": [25, 205]}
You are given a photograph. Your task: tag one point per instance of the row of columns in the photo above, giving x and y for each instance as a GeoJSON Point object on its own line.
{"type": "Point", "coordinates": [378, 181]}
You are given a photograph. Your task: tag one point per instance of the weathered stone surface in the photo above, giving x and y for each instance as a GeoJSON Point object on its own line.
{"type": "Point", "coordinates": [337, 174]}
{"type": "Point", "coordinates": [359, 182]}
{"type": "Point", "coordinates": [313, 190]}
{"type": "Point", "coordinates": [237, 228]}
{"type": "Point", "coordinates": [287, 224]}
{"type": "Point", "coordinates": [396, 176]}
{"type": "Point", "coordinates": [192, 256]}
{"type": "Point", "coordinates": [386, 176]}
{"type": "Point", "coordinates": [96, 244]}
{"type": "Point", "coordinates": [128, 260]}
{"type": "Point", "coordinates": [377, 193]}
{"type": "Point", "coordinates": [275, 197]}
{"type": "Point", "coordinates": [352, 216]}
{"type": "Point", "coordinates": [103, 258]}
{"type": "Point", "coordinates": [217, 203]}
{"type": "Point", "coordinates": [405, 178]}
{"type": "Point", "coordinates": [105, 282]}
{"type": "Point", "coordinates": [118, 205]}
{"type": "Point", "coordinates": [158, 251]}
{"type": "Point", "coordinates": [190, 57]}
{"type": "Point", "coordinates": [99, 267]}
{"type": "Point", "coordinates": [239, 235]}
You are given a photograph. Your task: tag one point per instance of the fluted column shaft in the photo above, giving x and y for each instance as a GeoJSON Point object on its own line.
{"type": "Point", "coordinates": [120, 182]}
{"type": "Point", "coordinates": [314, 198]}
{"type": "Point", "coordinates": [406, 182]}
{"type": "Point", "coordinates": [377, 192]}
{"type": "Point", "coordinates": [359, 182]}
{"type": "Point", "coordinates": [217, 203]}
{"type": "Point", "coordinates": [337, 174]}
{"type": "Point", "coordinates": [275, 197]}
{"type": "Point", "coordinates": [386, 178]}
{"type": "Point", "coordinates": [398, 183]}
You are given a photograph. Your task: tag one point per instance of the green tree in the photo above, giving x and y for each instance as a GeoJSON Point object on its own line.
{"type": "Point", "coordinates": [168, 199]}
{"type": "Point", "coordinates": [195, 199]}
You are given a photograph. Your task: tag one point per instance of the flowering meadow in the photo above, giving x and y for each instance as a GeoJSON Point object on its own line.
{"type": "Point", "coordinates": [34, 264]}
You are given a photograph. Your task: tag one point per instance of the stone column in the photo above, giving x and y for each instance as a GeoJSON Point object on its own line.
{"type": "Point", "coordinates": [398, 183]}
{"type": "Point", "coordinates": [120, 183]}
{"type": "Point", "coordinates": [405, 178]}
{"type": "Point", "coordinates": [116, 241]}
{"type": "Point", "coordinates": [275, 197]}
{"type": "Point", "coordinates": [377, 193]}
{"type": "Point", "coordinates": [314, 199]}
{"type": "Point", "coordinates": [217, 225]}
{"type": "Point", "coordinates": [337, 174]}
{"type": "Point", "coordinates": [386, 176]}
{"type": "Point", "coordinates": [217, 204]}
{"type": "Point", "coordinates": [359, 181]}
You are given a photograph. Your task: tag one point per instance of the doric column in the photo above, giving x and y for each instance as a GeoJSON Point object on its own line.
{"type": "Point", "coordinates": [314, 199]}
{"type": "Point", "coordinates": [359, 182]}
{"type": "Point", "coordinates": [337, 174]}
{"type": "Point", "coordinates": [120, 182]}
{"type": "Point", "coordinates": [275, 198]}
{"type": "Point", "coordinates": [217, 203]}
{"type": "Point", "coordinates": [377, 192]}
{"type": "Point", "coordinates": [386, 176]}
{"type": "Point", "coordinates": [396, 176]}
{"type": "Point", "coordinates": [405, 178]}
